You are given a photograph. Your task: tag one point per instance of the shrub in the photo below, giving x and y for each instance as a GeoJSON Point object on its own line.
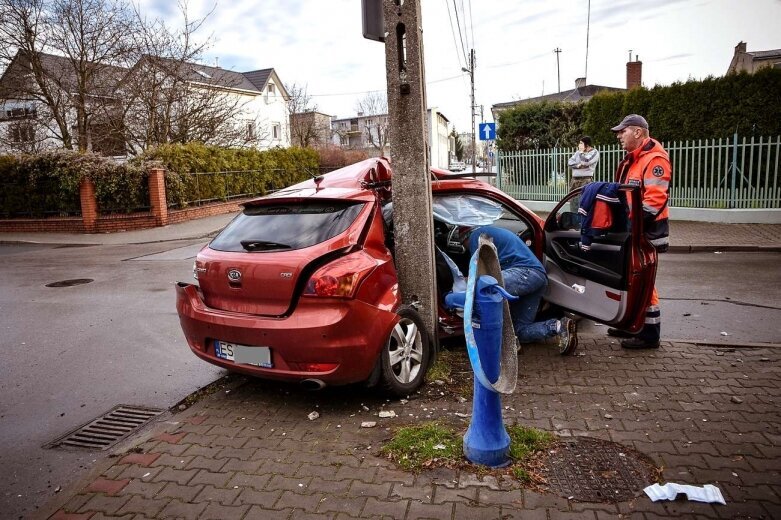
{"type": "Point", "coordinates": [196, 172]}
{"type": "Point", "coordinates": [48, 183]}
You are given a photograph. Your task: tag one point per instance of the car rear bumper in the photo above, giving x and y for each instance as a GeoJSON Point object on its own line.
{"type": "Point", "coordinates": [346, 334]}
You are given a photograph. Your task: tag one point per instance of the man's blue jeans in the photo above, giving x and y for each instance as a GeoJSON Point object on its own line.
{"type": "Point", "coordinates": [529, 285]}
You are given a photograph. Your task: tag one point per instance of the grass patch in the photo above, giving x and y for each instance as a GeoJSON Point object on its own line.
{"type": "Point", "coordinates": [417, 447]}
{"type": "Point", "coordinates": [442, 368]}
{"type": "Point", "coordinates": [526, 441]}
{"type": "Point", "coordinates": [435, 445]}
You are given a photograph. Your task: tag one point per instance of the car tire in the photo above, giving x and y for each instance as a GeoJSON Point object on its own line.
{"type": "Point", "coordinates": [406, 354]}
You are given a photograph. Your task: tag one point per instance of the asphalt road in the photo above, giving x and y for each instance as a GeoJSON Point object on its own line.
{"type": "Point", "coordinates": [69, 354]}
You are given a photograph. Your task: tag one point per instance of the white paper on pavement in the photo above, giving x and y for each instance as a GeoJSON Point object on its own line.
{"type": "Point", "coordinates": [707, 493]}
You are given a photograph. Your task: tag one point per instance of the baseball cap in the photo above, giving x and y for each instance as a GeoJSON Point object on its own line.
{"type": "Point", "coordinates": [631, 120]}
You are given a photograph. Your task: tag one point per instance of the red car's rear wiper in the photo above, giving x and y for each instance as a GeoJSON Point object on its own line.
{"type": "Point", "coordinates": [262, 245]}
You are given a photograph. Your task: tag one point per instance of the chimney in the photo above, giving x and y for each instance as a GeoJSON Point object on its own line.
{"type": "Point", "coordinates": [580, 82]}
{"type": "Point", "coordinates": [634, 74]}
{"type": "Point", "coordinates": [740, 48]}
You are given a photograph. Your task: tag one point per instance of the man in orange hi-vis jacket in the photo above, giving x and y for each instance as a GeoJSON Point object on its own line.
{"type": "Point", "coordinates": [646, 165]}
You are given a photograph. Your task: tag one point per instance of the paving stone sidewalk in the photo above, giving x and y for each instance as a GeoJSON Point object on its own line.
{"type": "Point", "coordinates": [704, 415]}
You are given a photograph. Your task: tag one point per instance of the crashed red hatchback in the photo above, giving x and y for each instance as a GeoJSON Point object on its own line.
{"type": "Point", "coordinates": [301, 286]}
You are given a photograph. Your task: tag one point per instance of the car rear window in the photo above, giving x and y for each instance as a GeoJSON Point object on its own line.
{"type": "Point", "coordinates": [282, 227]}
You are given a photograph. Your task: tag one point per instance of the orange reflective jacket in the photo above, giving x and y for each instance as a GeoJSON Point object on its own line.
{"type": "Point", "coordinates": [649, 167]}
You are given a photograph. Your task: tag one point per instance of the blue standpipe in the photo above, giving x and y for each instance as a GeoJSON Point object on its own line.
{"type": "Point", "coordinates": [486, 441]}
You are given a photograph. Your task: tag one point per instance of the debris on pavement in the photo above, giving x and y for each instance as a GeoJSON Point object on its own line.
{"type": "Point", "coordinates": [368, 424]}
{"type": "Point", "coordinates": [312, 416]}
{"type": "Point", "coordinates": [387, 414]}
{"type": "Point", "coordinates": [725, 333]}
{"type": "Point", "coordinates": [707, 493]}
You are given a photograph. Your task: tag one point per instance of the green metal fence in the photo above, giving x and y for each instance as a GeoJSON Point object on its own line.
{"type": "Point", "coordinates": [707, 173]}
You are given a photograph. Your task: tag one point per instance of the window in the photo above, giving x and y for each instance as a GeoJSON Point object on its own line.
{"type": "Point", "coordinates": [250, 130]}
{"type": "Point", "coordinates": [27, 112]}
{"type": "Point", "coordinates": [280, 227]}
{"type": "Point", "coordinates": [276, 131]}
{"type": "Point", "coordinates": [21, 133]}
{"type": "Point", "coordinates": [271, 89]}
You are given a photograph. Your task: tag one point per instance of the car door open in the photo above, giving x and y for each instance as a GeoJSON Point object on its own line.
{"type": "Point", "coordinates": [611, 281]}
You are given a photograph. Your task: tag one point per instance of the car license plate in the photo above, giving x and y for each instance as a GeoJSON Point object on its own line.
{"type": "Point", "coordinates": [243, 354]}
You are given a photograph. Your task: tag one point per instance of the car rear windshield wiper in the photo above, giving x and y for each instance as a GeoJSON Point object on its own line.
{"type": "Point", "coordinates": [262, 245]}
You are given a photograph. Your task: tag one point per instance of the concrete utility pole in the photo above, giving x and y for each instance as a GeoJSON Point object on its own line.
{"type": "Point", "coordinates": [471, 71]}
{"type": "Point", "coordinates": [411, 183]}
{"type": "Point", "coordinates": [558, 72]}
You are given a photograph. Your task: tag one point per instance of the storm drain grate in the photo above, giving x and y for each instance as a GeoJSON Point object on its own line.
{"type": "Point", "coordinates": [108, 429]}
{"type": "Point", "coordinates": [593, 470]}
{"type": "Point", "coordinates": [70, 283]}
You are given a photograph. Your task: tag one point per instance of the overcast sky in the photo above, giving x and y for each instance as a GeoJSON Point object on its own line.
{"type": "Point", "coordinates": [319, 43]}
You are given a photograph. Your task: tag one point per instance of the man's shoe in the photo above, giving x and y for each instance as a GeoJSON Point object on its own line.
{"type": "Point", "coordinates": [639, 343]}
{"type": "Point", "coordinates": [568, 336]}
{"type": "Point", "coordinates": [618, 333]}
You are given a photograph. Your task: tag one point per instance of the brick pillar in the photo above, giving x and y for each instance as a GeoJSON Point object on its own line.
{"type": "Point", "coordinates": [157, 200]}
{"type": "Point", "coordinates": [89, 205]}
{"type": "Point", "coordinates": [634, 74]}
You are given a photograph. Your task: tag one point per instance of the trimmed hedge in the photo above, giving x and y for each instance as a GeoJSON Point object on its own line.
{"type": "Point", "coordinates": [540, 125]}
{"type": "Point", "coordinates": [47, 184]}
{"type": "Point", "coordinates": [707, 109]}
{"type": "Point", "coordinates": [253, 171]}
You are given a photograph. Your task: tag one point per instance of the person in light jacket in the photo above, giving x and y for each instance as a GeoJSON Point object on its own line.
{"type": "Point", "coordinates": [583, 163]}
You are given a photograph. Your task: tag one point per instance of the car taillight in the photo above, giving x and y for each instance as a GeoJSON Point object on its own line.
{"type": "Point", "coordinates": [340, 278]}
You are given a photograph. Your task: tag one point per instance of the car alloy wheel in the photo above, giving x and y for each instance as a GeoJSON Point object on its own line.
{"type": "Point", "coordinates": [405, 358]}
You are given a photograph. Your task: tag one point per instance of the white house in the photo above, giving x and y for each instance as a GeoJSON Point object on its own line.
{"type": "Point", "coordinates": [252, 105]}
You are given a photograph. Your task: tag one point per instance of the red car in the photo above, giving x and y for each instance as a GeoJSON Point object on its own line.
{"type": "Point", "coordinates": [301, 285]}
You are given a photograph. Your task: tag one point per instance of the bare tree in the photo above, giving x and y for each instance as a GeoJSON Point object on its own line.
{"type": "Point", "coordinates": [169, 97]}
{"type": "Point", "coordinates": [70, 60]}
{"type": "Point", "coordinates": [65, 57]}
{"type": "Point", "coordinates": [307, 126]}
{"type": "Point", "coordinates": [375, 128]}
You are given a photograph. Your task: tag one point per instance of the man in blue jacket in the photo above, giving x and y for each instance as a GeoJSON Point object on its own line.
{"type": "Point", "coordinates": [524, 276]}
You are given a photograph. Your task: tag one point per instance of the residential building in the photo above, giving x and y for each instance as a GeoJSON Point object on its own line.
{"type": "Point", "coordinates": [210, 104]}
{"type": "Point", "coordinates": [745, 61]}
{"type": "Point", "coordinates": [370, 134]}
{"type": "Point", "coordinates": [439, 142]}
{"type": "Point", "coordinates": [581, 92]}
{"type": "Point", "coordinates": [362, 132]}
{"type": "Point", "coordinates": [310, 129]}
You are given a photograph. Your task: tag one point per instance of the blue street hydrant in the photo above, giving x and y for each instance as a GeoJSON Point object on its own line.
{"type": "Point", "coordinates": [486, 441]}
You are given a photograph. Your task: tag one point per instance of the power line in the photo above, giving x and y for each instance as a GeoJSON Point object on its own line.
{"type": "Point", "coordinates": [382, 90]}
{"type": "Point", "coordinates": [453, 32]}
{"type": "Point", "coordinates": [460, 34]}
{"type": "Point", "coordinates": [588, 27]}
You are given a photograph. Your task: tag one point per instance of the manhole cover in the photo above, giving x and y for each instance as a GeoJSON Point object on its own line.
{"type": "Point", "coordinates": [108, 429]}
{"type": "Point", "coordinates": [593, 470]}
{"type": "Point", "coordinates": [70, 283]}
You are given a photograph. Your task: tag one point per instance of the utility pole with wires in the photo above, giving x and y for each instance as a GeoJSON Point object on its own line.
{"type": "Point", "coordinates": [471, 71]}
{"type": "Point", "coordinates": [558, 71]}
{"type": "Point", "coordinates": [399, 26]}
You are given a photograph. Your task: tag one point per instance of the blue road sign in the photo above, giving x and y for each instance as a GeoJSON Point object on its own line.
{"type": "Point", "coordinates": [487, 131]}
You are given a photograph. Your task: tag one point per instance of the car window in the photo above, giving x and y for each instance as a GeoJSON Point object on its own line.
{"type": "Point", "coordinates": [281, 227]}
{"type": "Point", "coordinates": [466, 210]}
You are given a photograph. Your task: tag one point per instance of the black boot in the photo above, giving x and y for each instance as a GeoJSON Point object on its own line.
{"type": "Point", "coordinates": [618, 333]}
{"type": "Point", "coordinates": [650, 333]}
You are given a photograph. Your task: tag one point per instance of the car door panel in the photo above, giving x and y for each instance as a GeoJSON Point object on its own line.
{"type": "Point", "coordinates": [606, 282]}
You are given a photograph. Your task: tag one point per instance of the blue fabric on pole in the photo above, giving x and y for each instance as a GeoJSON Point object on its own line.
{"type": "Point", "coordinates": [489, 288]}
